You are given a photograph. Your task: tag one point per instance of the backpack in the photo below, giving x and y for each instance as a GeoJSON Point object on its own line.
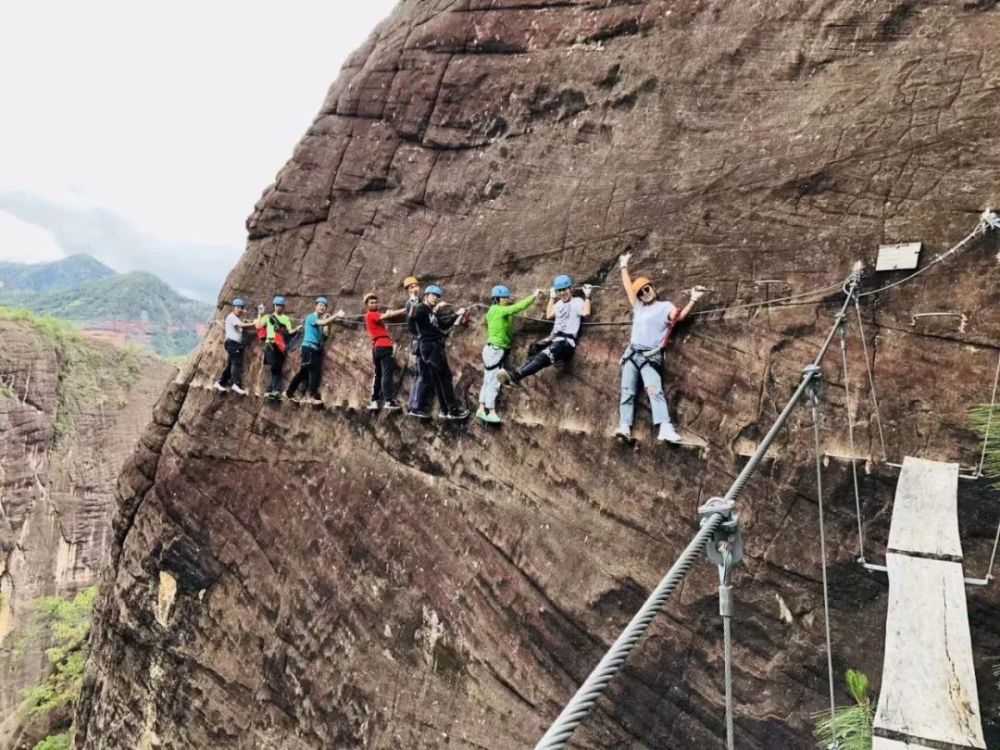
{"type": "Point", "coordinates": [280, 334]}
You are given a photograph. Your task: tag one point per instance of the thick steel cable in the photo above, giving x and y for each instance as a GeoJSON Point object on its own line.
{"type": "Point", "coordinates": [989, 419]}
{"type": "Point", "coordinates": [850, 438]}
{"type": "Point", "coordinates": [871, 381]}
{"type": "Point", "coordinates": [580, 704]}
{"type": "Point", "coordinates": [814, 397]}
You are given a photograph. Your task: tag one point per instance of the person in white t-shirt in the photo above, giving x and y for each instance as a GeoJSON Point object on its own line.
{"type": "Point", "coordinates": [652, 321]}
{"type": "Point", "coordinates": [234, 350]}
{"type": "Point", "coordinates": [559, 346]}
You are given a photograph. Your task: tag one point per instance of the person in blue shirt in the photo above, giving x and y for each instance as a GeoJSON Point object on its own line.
{"type": "Point", "coordinates": [314, 333]}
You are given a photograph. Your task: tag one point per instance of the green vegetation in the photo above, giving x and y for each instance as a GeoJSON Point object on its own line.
{"type": "Point", "coordinates": [66, 624]}
{"type": "Point", "coordinates": [54, 276]}
{"type": "Point", "coordinates": [87, 371]}
{"type": "Point", "coordinates": [82, 290]}
{"type": "Point", "coordinates": [851, 726]}
{"type": "Point", "coordinates": [980, 417]}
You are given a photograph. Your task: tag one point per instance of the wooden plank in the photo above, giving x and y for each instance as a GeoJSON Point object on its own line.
{"type": "Point", "coordinates": [880, 743]}
{"type": "Point", "coordinates": [925, 512]}
{"type": "Point", "coordinates": [928, 679]}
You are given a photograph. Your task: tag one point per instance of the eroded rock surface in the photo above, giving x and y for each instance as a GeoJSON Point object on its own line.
{"type": "Point", "coordinates": [297, 578]}
{"type": "Point", "coordinates": [70, 412]}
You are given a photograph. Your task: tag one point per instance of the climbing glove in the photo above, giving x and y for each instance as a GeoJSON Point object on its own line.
{"type": "Point", "coordinates": [697, 293]}
{"type": "Point", "coordinates": [552, 293]}
{"type": "Point", "coordinates": [587, 289]}
{"type": "Point", "coordinates": [623, 260]}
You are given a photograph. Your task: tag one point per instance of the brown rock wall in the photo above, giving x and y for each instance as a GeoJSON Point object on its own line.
{"type": "Point", "coordinates": [348, 580]}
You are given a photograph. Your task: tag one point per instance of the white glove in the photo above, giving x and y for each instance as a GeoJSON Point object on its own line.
{"type": "Point", "coordinates": [460, 312]}
{"type": "Point", "coordinates": [697, 293]}
{"type": "Point", "coordinates": [623, 260]}
{"type": "Point", "coordinates": [552, 293]}
{"type": "Point", "coordinates": [587, 289]}
{"type": "Point", "coordinates": [338, 315]}
{"type": "Point", "coordinates": [539, 293]}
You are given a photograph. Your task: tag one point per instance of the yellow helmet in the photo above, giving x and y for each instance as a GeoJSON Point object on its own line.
{"type": "Point", "coordinates": [410, 281]}
{"type": "Point", "coordinates": [639, 283]}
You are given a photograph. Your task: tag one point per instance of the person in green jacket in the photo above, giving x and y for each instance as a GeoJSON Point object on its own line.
{"type": "Point", "coordinates": [499, 338]}
{"type": "Point", "coordinates": [279, 331]}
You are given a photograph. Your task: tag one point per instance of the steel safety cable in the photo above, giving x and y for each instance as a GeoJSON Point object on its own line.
{"type": "Point", "coordinates": [814, 398]}
{"type": "Point", "coordinates": [871, 380]}
{"type": "Point", "coordinates": [726, 574]}
{"type": "Point", "coordinates": [989, 419]}
{"type": "Point", "coordinates": [850, 440]}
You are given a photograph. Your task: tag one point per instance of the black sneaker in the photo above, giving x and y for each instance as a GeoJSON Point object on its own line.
{"type": "Point", "coordinates": [391, 406]}
{"type": "Point", "coordinates": [418, 414]}
{"type": "Point", "coordinates": [457, 414]}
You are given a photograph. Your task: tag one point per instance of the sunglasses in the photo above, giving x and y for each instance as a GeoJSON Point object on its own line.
{"type": "Point", "coordinates": [646, 290]}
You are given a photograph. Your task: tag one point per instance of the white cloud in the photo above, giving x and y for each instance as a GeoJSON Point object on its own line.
{"type": "Point", "coordinates": [174, 116]}
{"type": "Point", "coordinates": [22, 242]}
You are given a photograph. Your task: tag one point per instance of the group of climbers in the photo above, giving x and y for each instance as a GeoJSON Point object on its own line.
{"type": "Point", "coordinates": [653, 321]}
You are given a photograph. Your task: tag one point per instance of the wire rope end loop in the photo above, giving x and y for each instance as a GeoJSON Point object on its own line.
{"type": "Point", "coordinates": [989, 219]}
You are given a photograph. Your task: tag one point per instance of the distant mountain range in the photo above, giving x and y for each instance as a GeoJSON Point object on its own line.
{"type": "Point", "coordinates": [134, 307]}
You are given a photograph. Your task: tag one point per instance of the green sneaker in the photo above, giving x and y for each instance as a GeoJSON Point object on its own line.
{"type": "Point", "coordinates": [492, 418]}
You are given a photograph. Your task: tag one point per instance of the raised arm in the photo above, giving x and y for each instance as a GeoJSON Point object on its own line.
{"type": "Point", "coordinates": [696, 294]}
{"type": "Point", "coordinates": [585, 310]}
{"type": "Point", "coordinates": [550, 309]}
{"type": "Point", "coordinates": [623, 260]}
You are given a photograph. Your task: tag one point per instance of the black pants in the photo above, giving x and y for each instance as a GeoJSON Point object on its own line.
{"type": "Point", "coordinates": [435, 363]}
{"type": "Point", "coordinates": [274, 358]}
{"type": "Point", "coordinates": [383, 389]}
{"type": "Point", "coordinates": [546, 354]}
{"type": "Point", "coordinates": [309, 372]}
{"type": "Point", "coordinates": [234, 364]}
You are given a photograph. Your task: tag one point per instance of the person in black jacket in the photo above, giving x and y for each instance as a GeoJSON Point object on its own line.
{"type": "Point", "coordinates": [432, 330]}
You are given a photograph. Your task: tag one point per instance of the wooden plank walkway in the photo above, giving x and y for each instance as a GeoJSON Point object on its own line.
{"type": "Point", "coordinates": [929, 698]}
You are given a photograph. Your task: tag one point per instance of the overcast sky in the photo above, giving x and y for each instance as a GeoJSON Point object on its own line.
{"type": "Point", "coordinates": [144, 133]}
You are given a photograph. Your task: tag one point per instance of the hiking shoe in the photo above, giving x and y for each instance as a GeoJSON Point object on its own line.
{"type": "Point", "coordinates": [624, 432]}
{"type": "Point", "coordinates": [312, 401]}
{"type": "Point", "coordinates": [418, 414]}
{"type": "Point", "coordinates": [481, 416]}
{"type": "Point", "coordinates": [668, 434]}
{"type": "Point", "coordinates": [491, 418]}
{"type": "Point", "coordinates": [391, 406]}
{"type": "Point", "coordinates": [373, 406]}
{"type": "Point", "coordinates": [220, 387]}
{"type": "Point", "coordinates": [457, 414]}
{"type": "Point", "coordinates": [275, 395]}
{"type": "Point", "coordinates": [506, 377]}
{"type": "Point", "coordinates": [238, 390]}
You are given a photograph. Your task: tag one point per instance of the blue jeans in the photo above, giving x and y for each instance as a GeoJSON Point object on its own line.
{"type": "Point", "coordinates": [635, 367]}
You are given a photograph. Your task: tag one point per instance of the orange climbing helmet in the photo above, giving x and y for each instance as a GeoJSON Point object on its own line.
{"type": "Point", "coordinates": [368, 296]}
{"type": "Point", "coordinates": [639, 283]}
{"type": "Point", "coordinates": [410, 281]}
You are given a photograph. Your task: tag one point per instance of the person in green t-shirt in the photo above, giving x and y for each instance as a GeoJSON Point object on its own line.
{"type": "Point", "coordinates": [499, 339]}
{"type": "Point", "coordinates": [279, 331]}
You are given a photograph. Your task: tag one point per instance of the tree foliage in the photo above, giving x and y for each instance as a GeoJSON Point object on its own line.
{"type": "Point", "coordinates": [850, 728]}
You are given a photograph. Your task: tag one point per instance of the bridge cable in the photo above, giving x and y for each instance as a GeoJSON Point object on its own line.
{"type": "Point", "coordinates": [982, 462]}
{"type": "Point", "coordinates": [814, 398]}
{"type": "Point", "coordinates": [850, 434]}
{"type": "Point", "coordinates": [871, 380]}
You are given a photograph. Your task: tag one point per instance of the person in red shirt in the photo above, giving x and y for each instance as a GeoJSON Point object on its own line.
{"type": "Point", "coordinates": [383, 387]}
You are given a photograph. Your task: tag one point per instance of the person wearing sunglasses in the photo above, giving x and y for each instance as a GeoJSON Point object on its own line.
{"type": "Point", "coordinates": [652, 321]}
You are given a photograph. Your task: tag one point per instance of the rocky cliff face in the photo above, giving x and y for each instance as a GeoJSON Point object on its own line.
{"type": "Point", "coordinates": [70, 412]}
{"type": "Point", "coordinates": [296, 578]}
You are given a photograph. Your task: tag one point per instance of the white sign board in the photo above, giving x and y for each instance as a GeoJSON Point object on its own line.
{"type": "Point", "coordinates": [901, 257]}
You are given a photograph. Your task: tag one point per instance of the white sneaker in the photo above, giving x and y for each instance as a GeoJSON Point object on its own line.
{"type": "Point", "coordinates": [220, 387]}
{"type": "Point", "coordinates": [373, 406]}
{"type": "Point", "coordinates": [668, 434]}
{"type": "Point", "coordinates": [238, 390]}
{"type": "Point", "coordinates": [624, 432]}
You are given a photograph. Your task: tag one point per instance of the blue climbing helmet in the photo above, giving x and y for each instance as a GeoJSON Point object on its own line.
{"type": "Point", "coordinates": [322, 301]}
{"type": "Point", "coordinates": [434, 289]}
{"type": "Point", "coordinates": [238, 302]}
{"type": "Point", "coordinates": [500, 291]}
{"type": "Point", "coordinates": [279, 300]}
{"type": "Point", "coordinates": [562, 282]}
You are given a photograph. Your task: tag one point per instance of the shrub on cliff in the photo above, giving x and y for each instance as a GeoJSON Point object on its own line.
{"type": "Point", "coordinates": [850, 728]}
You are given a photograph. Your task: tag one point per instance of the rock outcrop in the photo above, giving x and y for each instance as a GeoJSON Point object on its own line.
{"type": "Point", "coordinates": [71, 410]}
{"type": "Point", "coordinates": [296, 578]}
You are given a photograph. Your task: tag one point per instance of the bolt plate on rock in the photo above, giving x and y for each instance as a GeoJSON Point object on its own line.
{"type": "Point", "coordinates": [901, 257]}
